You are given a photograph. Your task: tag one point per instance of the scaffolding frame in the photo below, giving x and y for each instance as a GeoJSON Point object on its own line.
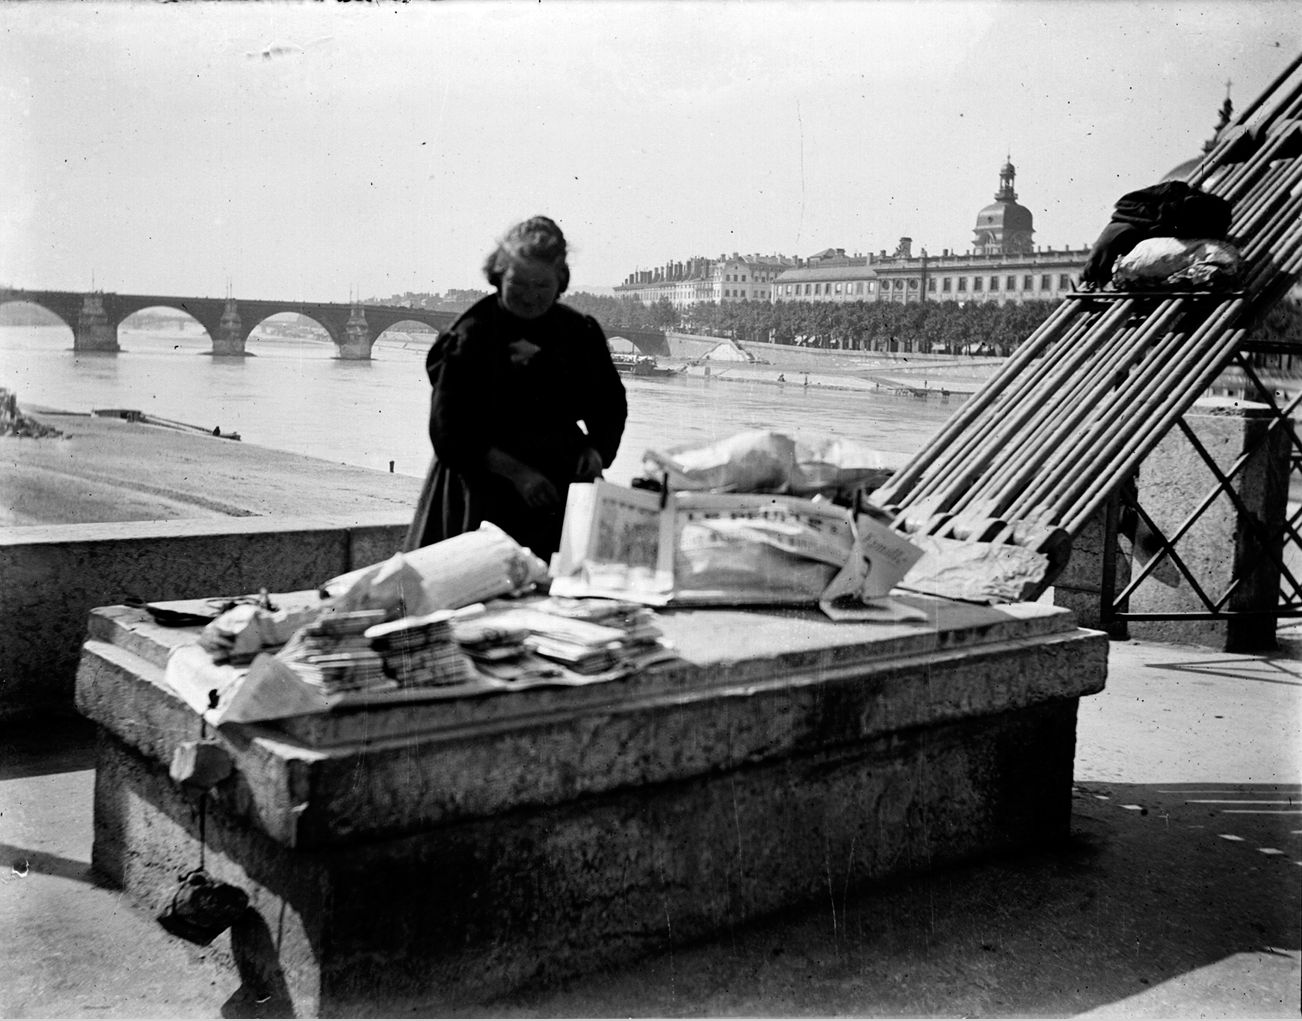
{"type": "Point", "coordinates": [1050, 440]}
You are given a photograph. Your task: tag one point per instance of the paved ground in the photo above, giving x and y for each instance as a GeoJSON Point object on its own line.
{"type": "Point", "coordinates": [1178, 894]}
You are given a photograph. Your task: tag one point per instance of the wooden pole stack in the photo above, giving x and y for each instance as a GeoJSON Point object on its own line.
{"type": "Point", "coordinates": [1072, 414]}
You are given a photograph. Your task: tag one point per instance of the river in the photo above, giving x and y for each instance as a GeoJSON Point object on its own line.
{"type": "Point", "coordinates": [296, 395]}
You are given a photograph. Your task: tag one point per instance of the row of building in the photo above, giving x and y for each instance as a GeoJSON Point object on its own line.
{"type": "Point", "coordinates": [1003, 266]}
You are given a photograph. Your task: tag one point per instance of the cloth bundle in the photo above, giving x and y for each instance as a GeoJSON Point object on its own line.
{"type": "Point", "coordinates": [1178, 264]}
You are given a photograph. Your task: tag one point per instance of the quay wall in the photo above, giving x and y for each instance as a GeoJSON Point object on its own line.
{"type": "Point", "coordinates": [54, 575]}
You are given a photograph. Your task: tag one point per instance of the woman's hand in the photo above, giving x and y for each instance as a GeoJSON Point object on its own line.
{"type": "Point", "coordinates": [589, 466]}
{"type": "Point", "coordinates": [536, 490]}
{"type": "Point", "coordinates": [534, 487]}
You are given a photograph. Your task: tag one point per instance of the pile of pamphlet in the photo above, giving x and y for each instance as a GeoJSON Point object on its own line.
{"type": "Point", "coordinates": [333, 654]}
{"type": "Point", "coordinates": [589, 636]}
{"type": "Point", "coordinates": [488, 641]}
{"type": "Point", "coordinates": [637, 623]}
{"type": "Point", "coordinates": [421, 651]}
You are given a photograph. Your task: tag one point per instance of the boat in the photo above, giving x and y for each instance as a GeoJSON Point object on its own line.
{"type": "Point", "coordinates": [639, 365]}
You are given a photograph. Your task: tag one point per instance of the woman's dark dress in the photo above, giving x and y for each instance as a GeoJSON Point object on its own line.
{"type": "Point", "coordinates": [485, 395]}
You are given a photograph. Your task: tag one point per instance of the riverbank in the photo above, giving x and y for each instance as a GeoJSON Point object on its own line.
{"type": "Point", "coordinates": [920, 375]}
{"type": "Point", "coordinates": [110, 469]}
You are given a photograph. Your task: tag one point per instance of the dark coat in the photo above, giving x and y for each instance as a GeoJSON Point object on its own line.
{"type": "Point", "coordinates": [482, 397]}
{"type": "Point", "coordinates": [1171, 209]}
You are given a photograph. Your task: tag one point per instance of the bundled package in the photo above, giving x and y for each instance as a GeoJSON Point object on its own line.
{"type": "Point", "coordinates": [456, 572]}
{"type": "Point", "coordinates": [1178, 264]}
{"type": "Point", "coordinates": [760, 461]}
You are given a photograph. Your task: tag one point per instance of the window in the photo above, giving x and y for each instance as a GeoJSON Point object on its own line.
{"type": "Point", "coordinates": [818, 288]}
{"type": "Point", "coordinates": [962, 283]}
{"type": "Point", "coordinates": [994, 283]}
{"type": "Point", "coordinates": [806, 288]}
{"type": "Point", "coordinates": [1028, 282]}
{"type": "Point", "coordinates": [838, 288]}
{"type": "Point", "coordinates": [1064, 281]}
{"type": "Point", "coordinates": [978, 283]}
{"type": "Point", "coordinates": [931, 283]}
{"type": "Point", "coordinates": [946, 284]}
{"type": "Point", "coordinates": [1045, 282]}
{"type": "Point", "coordinates": [1011, 283]}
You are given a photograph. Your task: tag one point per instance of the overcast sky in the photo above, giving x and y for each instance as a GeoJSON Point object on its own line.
{"type": "Point", "coordinates": [310, 151]}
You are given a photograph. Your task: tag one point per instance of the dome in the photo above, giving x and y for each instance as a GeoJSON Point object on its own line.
{"type": "Point", "coordinates": [1005, 216]}
{"type": "Point", "coordinates": [1005, 226]}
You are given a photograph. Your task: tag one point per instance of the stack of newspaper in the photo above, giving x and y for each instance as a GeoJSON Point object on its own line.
{"type": "Point", "coordinates": [421, 651]}
{"type": "Point", "coordinates": [332, 653]}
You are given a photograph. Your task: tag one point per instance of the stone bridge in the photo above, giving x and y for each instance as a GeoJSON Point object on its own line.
{"type": "Point", "coordinates": [94, 317]}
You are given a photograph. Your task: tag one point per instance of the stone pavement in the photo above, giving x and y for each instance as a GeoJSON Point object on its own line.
{"type": "Point", "coordinates": [1177, 895]}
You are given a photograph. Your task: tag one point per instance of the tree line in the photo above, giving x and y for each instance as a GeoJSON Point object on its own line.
{"type": "Point", "coordinates": [986, 328]}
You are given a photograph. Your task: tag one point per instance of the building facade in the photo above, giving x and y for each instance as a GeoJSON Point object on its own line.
{"type": "Point", "coordinates": [700, 279]}
{"type": "Point", "coordinates": [1003, 266]}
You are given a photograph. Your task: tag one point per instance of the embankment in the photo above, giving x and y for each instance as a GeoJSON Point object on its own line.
{"type": "Point", "coordinates": [111, 510]}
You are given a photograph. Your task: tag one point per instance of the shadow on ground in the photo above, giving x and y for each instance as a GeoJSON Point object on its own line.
{"type": "Point", "coordinates": [1182, 895]}
{"type": "Point", "coordinates": [1138, 896]}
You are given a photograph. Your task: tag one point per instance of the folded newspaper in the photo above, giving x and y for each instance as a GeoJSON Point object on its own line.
{"type": "Point", "coordinates": [710, 549]}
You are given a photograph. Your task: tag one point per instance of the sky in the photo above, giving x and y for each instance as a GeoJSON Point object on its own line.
{"type": "Point", "coordinates": [321, 151]}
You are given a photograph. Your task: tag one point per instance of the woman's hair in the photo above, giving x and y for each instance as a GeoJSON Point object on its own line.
{"type": "Point", "coordinates": [537, 239]}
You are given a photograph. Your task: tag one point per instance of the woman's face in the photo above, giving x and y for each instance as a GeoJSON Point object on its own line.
{"type": "Point", "coordinates": [529, 288]}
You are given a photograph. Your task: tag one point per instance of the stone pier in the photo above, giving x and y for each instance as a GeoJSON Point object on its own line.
{"type": "Point", "coordinates": [357, 342]}
{"type": "Point", "coordinates": [94, 332]}
{"type": "Point", "coordinates": [229, 339]}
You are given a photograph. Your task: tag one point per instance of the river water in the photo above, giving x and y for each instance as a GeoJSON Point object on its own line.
{"type": "Point", "coordinates": [296, 395]}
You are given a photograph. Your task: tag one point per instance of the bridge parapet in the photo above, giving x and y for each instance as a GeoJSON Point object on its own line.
{"type": "Point", "coordinates": [94, 317]}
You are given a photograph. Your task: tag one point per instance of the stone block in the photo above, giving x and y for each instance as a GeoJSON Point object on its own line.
{"type": "Point", "coordinates": [430, 856]}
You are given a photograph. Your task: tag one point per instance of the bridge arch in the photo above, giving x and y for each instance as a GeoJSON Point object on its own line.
{"type": "Point", "coordinates": [25, 314]}
{"type": "Point", "coordinates": [423, 336]}
{"type": "Point", "coordinates": [140, 320]}
{"type": "Point", "coordinates": [648, 342]}
{"type": "Point", "coordinates": [290, 325]}
{"type": "Point", "coordinates": [64, 311]}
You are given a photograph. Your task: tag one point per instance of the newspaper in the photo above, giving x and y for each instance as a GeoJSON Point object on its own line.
{"type": "Point", "coordinates": [703, 549]}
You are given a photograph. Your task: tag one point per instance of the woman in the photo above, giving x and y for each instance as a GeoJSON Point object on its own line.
{"type": "Point", "coordinates": [512, 379]}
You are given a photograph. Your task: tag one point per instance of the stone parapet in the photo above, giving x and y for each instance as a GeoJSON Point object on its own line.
{"type": "Point", "coordinates": [54, 575]}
